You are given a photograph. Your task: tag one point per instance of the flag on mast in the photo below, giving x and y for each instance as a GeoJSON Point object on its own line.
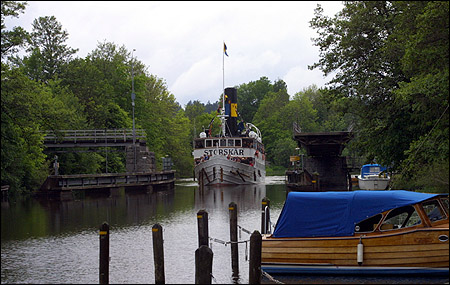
{"type": "Point", "coordinates": [225, 49]}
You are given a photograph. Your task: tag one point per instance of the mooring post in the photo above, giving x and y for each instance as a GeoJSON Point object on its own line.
{"type": "Point", "coordinates": [158, 254]}
{"type": "Point", "coordinates": [264, 220]}
{"type": "Point", "coordinates": [202, 222]}
{"type": "Point", "coordinates": [104, 253]}
{"type": "Point", "coordinates": [234, 238]}
{"type": "Point", "coordinates": [255, 258]}
{"type": "Point", "coordinates": [203, 265]}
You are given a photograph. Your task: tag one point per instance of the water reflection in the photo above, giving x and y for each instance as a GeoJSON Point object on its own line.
{"type": "Point", "coordinates": [44, 241]}
{"type": "Point", "coordinates": [245, 196]}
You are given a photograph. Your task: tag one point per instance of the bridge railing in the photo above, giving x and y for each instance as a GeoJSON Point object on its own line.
{"type": "Point", "coordinates": [94, 135]}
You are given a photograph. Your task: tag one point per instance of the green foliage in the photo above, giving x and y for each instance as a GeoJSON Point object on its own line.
{"type": "Point", "coordinates": [48, 49]}
{"type": "Point", "coordinates": [250, 96]}
{"type": "Point", "coordinates": [392, 61]}
{"type": "Point", "coordinates": [21, 119]}
{"type": "Point", "coordinates": [15, 38]}
{"type": "Point", "coordinates": [391, 85]}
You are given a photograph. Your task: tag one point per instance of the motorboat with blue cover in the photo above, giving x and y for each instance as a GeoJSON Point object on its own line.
{"type": "Point", "coordinates": [360, 232]}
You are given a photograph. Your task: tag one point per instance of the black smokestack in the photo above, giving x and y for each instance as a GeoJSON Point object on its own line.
{"type": "Point", "coordinates": [231, 111]}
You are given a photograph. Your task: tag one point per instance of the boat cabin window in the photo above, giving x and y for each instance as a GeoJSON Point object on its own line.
{"type": "Point", "coordinates": [208, 143]}
{"type": "Point", "coordinates": [230, 142]}
{"type": "Point", "coordinates": [247, 143]}
{"type": "Point", "coordinates": [223, 142]}
{"type": "Point", "coordinates": [215, 143]}
{"type": "Point", "coordinates": [402, 217]}
{"type": "Point", "coordinates": [368, 225]}
{"type": "Point", "coordinates": [237, 142]}
{"type": "Point", "coordinates": [433, 210]}
{"type": "Point", "coordinates": [199, 143]}
{"type": "Point", "coordinates": [445, 203]}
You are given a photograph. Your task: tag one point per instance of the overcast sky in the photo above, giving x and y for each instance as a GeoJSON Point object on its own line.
{"type": "Point", "coordinates": [182, 42]}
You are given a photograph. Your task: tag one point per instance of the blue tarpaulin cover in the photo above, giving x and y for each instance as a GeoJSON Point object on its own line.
{"type": "Point", "coordinates": [333, 214]}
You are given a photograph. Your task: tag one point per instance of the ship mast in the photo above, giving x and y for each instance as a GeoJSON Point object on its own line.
{"type": "Point", "coordinates": [222, 115]}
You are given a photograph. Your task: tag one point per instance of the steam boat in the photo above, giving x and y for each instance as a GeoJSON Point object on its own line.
{"type": "Point", "coordinates": [235, 156]}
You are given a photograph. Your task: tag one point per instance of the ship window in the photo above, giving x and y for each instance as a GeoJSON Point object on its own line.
{"type": "Point", "coordinates": [237, 143]}
{"type": "Point", "coordinates": [223, 142]}
{"type": "Point", "coordinates": [199, 144]}
{"type": "Point", "coordinates": [230, 142]}
{"type": "Point", "coordinates": [368, 225]}
{"type": "Point", "coordinates": [433, 210]}
{"type": "Point", "coordinates": [208, 143]}
{"type": "Point", "coordinates": [215, 142]}
{"type": "Point", "coordinates": [402, 217]}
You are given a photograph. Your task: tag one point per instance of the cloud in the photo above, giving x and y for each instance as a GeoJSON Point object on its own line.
{"type": "Point", "coordinates": [181, 41]}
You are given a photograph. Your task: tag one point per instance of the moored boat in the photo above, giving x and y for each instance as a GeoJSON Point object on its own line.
{"type": "Point", "coordinates": [234, 156]}
{"type": "Point", "coordinates": [359, 232]}
{"type": "Point", "coordinates": [373, 177]}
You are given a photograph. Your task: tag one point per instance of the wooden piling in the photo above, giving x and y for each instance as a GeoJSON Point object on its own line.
{"type": "Point", "coordinates": [104, 253]}
{"type": "Point", "coordinates": [255, 258]}
{"type": "Point", "coordinates": [264, 220]}
{"type": "Point", "coordinates": [203, 265]}
{"type": "Point", "coordinates": [158, 254]}
{"type": "Point", "coordinates": [202, 223]}
{"type": "Point", "coordinates": [234, 238]}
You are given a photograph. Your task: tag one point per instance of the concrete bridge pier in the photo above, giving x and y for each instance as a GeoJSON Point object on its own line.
{"type": "Point", "coordinates": [145, 159]}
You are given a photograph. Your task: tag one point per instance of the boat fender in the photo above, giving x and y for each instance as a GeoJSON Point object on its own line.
{"type": "Point", "coordinates": [360, 252]}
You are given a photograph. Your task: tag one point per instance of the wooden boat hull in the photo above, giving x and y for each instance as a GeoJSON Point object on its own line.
{"type": "Point", "coordinates": [419, 251]}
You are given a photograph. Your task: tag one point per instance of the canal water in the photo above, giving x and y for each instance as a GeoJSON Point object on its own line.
{"type": "Point", "coordinates": [58, 241]}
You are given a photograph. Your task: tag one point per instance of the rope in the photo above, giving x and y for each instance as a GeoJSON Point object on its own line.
{"type": "Point", "coordinates": [227, 242]}
{"type": "Point", "coordinates": [267, 275]}
{"type": "Point", "coordinates": [231, 242]}
{"type": "Point", "coordinates": [422, 142]}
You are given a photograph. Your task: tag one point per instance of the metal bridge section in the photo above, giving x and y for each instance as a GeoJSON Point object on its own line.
{"type": "Point", "coordinates": [323, 169]}
{"type": "Point", "coordinates": [92, 138]}
{"type": "Point", "coordinates": [139, 162]}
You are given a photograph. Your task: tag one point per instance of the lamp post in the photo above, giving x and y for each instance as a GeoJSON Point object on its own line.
{"type": "Point", "coordinates": [132, 104]}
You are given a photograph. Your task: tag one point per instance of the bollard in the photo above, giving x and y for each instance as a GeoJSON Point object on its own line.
{"type": "Point", "coordinates": [104, 253]}
{"type": "Point", "coordinates": [202, 222]}
{"type": "Point", "coordinates": [158, 254]}
{"type": "Point", "coordinates": [203, 265]}
{"type": "Point", "coordinates": [254, 274]}
{"type": "Point", "coordinates": [234, 238]}
{"type": "Point", "coordinates": [264, 220]}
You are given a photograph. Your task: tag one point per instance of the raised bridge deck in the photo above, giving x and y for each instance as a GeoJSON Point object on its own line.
{"type": "Point", "coordinates": [92, 138]}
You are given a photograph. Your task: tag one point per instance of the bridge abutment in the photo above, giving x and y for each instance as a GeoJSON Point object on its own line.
{"type": "Point", "coordinates": [145, 159]}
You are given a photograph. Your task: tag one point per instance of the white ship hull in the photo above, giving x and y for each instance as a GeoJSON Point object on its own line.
{"type": "Point", "coordinates": [221, 170]}
{"type": "Point", "coordinates": [373, 183]}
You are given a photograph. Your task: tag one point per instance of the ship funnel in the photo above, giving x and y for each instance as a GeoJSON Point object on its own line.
{"type": "Point", "coordinates": [231, 111]}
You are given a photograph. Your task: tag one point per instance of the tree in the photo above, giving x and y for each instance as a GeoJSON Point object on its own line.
{"type": "Point", "coordinates": [250, 96]}
{"type": "Point", "coordinates": [391, 60]}
{"type": "Point", "coordinates": [48, 49]}
{"type": "Point", "coordinates": [194, 109]}
{"type": "Point", "coordinates": [15, 38]}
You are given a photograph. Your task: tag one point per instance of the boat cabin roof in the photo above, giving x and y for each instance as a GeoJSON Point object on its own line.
{"type": "Point", "coordinates": [333, 214]}
{"type": "Point", "coordinates": [372, 169]}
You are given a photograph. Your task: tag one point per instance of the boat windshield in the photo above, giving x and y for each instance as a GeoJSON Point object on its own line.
{"type": "Point", "coordinates": [433, 210]}
{"type": "Point", "coordinates": [403, 217]}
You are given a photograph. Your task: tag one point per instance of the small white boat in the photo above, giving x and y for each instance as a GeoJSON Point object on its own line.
{"type": "Point", "coordinates": [373, 177]}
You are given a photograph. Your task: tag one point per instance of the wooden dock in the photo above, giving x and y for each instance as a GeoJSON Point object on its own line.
{"type": "Point", "coordinates": [61, 186]}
